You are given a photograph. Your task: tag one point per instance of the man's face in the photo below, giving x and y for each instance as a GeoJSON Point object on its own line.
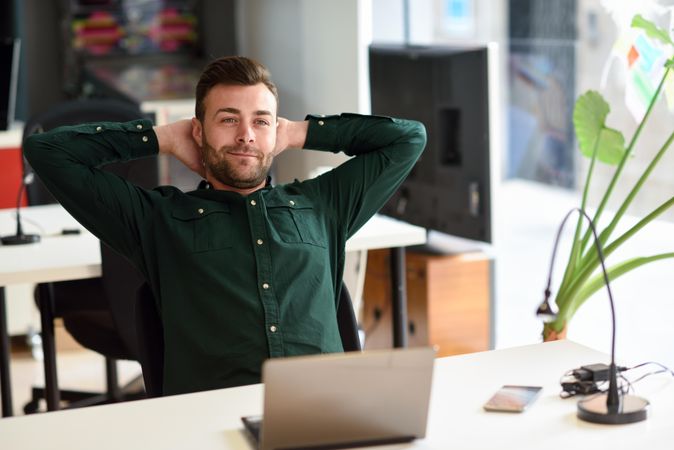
{"type": "Point", "coordinates": [237, 134]}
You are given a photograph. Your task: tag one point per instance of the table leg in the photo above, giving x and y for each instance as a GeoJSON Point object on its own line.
{"type": "Point", "coordinates": [399, 297]}
{"type": "Point", "coordinates": [52, 394]}
{"type": "Point", "coordinates": [7, 410]}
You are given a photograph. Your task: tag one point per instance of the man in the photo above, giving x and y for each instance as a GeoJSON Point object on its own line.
{"type": "Point", "coordinates": [242, 270]}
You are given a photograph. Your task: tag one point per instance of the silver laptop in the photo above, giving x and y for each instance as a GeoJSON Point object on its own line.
{"type": "Point", "coordinates": [344, 400]}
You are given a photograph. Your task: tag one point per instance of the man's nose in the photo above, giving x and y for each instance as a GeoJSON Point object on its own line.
{"type": "Point", "coordinates": [245, 134]}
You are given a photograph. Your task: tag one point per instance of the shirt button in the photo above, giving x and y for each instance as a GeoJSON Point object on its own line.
{"type": "Point", "coordinates": [200, 210]}
{"type": "Point", "coordinates": [273, 328]}
{"type": "Point", "coordinates": [253, 202]}
{"type": "Point", "coordinates": [292, 203]}
{"type": "Point", "coordinates": [144, 138]}
{"type": "Point", "coordinates": [265, 286]}
{"type": "Point", "coordinates": [321, 123]}
{"type": "Point", "coordinates": [139, 126]}
{"type": "Point", "coordinates": [260, 242]}
{"type": "Point", "coordinates": [99, 128]}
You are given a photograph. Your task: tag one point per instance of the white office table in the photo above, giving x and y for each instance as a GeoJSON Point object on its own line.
{"type": "Point", "coordinates": [461, 384]}
{"type": "Point", "coordinates": [71, 257]}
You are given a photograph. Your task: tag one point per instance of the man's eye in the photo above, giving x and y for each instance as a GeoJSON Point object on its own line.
{"type": "Point", "coordinates": [261, 122]}
{"type": "Point", "coordinates": [228, 120]}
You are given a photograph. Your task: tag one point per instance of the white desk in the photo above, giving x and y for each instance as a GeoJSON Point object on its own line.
{"type": "Point", "coordinates": [54, 258]}
{"type": "Point", "coordinates": [57, 257]}
{"type": "Point", "coordinates": [72, 257]}
{"type": "Point", "coordinates": [11, 138]}
{"type": "Point", "coordinates": [461, 384]}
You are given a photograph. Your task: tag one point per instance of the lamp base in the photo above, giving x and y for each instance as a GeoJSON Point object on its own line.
{"type": "Point", "coordinates": [632, 409]}
{"type": "Point", "coordinates": [20, 239]}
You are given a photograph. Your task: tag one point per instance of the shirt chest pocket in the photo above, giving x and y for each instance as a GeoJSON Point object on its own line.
{"type": "Point", "coordinates": [296, 223]}
{"type": "Point", "coordinates": [205, 228]}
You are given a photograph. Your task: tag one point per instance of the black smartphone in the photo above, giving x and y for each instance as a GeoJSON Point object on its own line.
{"type": "Point", "coordinates": [512, 398]}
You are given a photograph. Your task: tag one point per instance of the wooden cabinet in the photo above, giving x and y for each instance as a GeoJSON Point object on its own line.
{"type": "Point", "coordinates": [448, 301]}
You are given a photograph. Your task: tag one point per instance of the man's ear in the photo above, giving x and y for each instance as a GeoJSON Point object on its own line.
{"type": "Point", "coordinates": [197, 131]}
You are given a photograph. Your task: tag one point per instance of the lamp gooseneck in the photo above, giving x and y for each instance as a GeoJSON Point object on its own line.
{"type": "Point", "coordinates": [615, 409]}
{"type": "Point", "coordinates": [20, 238]}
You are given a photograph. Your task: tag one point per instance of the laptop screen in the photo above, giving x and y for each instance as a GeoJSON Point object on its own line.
{"type": "Point", "coordinates": [342, 400]}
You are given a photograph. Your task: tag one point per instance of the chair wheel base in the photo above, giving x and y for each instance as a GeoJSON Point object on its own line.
{"type": "Point", "coordinates": [31, 407]}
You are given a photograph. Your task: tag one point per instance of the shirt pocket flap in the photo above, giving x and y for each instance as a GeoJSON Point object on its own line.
{"type": "Point", "coordinates": [283, 200]}
{"type": "Point", "coordinates": [295, 219]}
{"type": "Point", "coordinates": [196, 211]}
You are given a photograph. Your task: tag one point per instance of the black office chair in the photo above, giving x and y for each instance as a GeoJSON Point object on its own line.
{"type": "Point", "coordinates": [347, 322]}
{"type": "Point", "coordinates": [151, 336]}
{"type": "Point", "coordinates": [98, 313]}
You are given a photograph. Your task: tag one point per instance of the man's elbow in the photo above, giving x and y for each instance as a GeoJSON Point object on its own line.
{"type": "Point", "coordinates": [418, 135]}
{"type": "Point", "coordinates": [32, 147]}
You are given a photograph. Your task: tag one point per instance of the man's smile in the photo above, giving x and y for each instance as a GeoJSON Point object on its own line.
{"type": "Point", "coordinates": [243, 152]}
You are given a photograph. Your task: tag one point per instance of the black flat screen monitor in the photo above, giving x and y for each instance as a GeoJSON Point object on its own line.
{"type": "Point", "coordinates": [447, 89]}
{"type": "Point", "coordinates": [9, 67]}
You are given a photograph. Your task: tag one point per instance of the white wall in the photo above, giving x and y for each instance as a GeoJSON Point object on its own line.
{"type": "Point", "coordinates": [388, 21]}
{"type": "Point", "coordinates": [316, 52]}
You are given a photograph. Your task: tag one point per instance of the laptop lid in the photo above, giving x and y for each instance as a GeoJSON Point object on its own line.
{"type": "Point", "coordinates": [346, 399]}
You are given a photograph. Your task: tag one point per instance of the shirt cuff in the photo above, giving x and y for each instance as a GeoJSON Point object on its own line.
{"type": "Point", "coordinates": [141, 137]}
{"type": "Point", "coordinates": [322, 133]}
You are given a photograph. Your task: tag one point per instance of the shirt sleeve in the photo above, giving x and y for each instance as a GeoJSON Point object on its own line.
{"type": "Point", "coordinates": [384, 150]}
{"type": "Point", "coordinates": [68, 160]}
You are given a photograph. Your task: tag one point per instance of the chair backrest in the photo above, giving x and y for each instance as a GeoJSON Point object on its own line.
{"type": "Point", "coordinates": [150, 335]}
{"type": "Point", "coordinates": [346, 321]}
{"type": "Point", "coordinates": [121, 280]}
{"type": "Point", "coordinates": [143, 171]}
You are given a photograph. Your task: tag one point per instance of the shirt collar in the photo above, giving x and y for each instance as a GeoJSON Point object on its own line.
{"type": "Point", "coordinates": [205, 184]}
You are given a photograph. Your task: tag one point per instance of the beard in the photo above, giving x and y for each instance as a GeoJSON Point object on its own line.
{"type": "Point", "coordinates": [240, 173]}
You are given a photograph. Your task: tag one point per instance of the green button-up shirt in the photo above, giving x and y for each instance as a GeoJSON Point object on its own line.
{"type": "Point", "coordinates": [238, 278]}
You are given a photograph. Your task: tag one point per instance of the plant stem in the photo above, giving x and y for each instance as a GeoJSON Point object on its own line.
{"type": "Point", "coordinates": [576, 249]}
{"type": "Point", "coordinates": [606, 233]}
{"type": "Point", "coordinates": [604, 236]}
{"type": "Point", "coordinates": [628, 151]}
{"type": "Point", "coordinates": [591, 261]}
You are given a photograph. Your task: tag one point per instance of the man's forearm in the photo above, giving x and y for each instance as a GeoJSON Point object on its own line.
{"type": "Point", "coordinates": [355, 134]}
{"type": "Point", "coordinates": [67, 160]}
{"type": "Point", "coordinates": [176, 139]}
{"type": "Point", "coordinates": [297, 133]}
{"type": "Point", "coordinates": [90, 145]}
{"type": "Point", "coordinates": [164, 138]}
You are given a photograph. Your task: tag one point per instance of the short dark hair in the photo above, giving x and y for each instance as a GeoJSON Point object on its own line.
{"type": "Point", "coordinates": [231, 70]}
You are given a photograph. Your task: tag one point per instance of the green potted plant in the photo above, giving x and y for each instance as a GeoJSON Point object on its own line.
{"type": "Point", "coordinates": [601, 143]}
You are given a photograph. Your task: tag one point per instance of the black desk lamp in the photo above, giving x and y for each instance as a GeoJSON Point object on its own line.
{"type": "Point", "coordinates": [611, 407]}
{"type": "Point", "coordinates": [20, 238]}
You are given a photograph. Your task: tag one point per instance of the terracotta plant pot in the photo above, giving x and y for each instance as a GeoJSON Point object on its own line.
{"type": "Point", "coordinates": [551, 335]}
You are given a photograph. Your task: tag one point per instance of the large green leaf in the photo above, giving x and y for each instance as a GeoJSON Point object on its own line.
{"type": "Point", "coordinates": [611, 146]}
{"type": "Point", "coordinates": [589, 121]}
{"type": "Point", "coordinates": [651, 29]}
